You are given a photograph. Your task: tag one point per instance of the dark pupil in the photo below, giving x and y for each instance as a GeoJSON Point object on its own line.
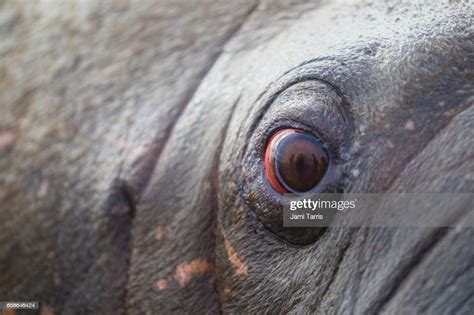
{"type": "Point", "coordinates": [300, 161]}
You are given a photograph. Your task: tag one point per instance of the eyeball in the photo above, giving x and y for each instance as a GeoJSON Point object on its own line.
{"type": "Point", "coordinates": [295, 161]}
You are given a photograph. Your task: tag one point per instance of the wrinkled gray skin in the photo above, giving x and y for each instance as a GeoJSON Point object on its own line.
{"type": "Point", "coordinates": [123, 131]}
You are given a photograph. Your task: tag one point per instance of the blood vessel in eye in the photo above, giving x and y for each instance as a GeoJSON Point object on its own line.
{"type": "Point", "coordinates": [295, 161]}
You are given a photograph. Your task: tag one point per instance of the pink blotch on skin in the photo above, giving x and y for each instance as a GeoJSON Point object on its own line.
{"type": "Point", "coordinates": [6, 138]}
{"type": "Point", "coordinates": [161, 284]}
{"type": "Point", "coordinates": [160, 233]}
{"type": "Point", "coordinates": [163, 232]}
{"type": "Point", "coordinates": [410, 125]}
{"type": "Point", "coordinates": [239, 266]}
{"type": "Point", "coordinates": [186, 271]}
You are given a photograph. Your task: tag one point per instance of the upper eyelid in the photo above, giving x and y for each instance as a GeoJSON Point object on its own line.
{"type": "Point", "coordinates": [307, 71]}
{"type": "Point", "coordinates": [277, 88]}
{"type": "Point", "coordinates": [319, 69]}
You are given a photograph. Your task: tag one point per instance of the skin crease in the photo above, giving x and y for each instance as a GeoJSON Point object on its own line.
{"type": "Point", "coordinates": [126, 174]}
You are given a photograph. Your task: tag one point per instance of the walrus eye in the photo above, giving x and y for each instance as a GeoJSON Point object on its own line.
{"type": "Point", "coordinates": [299, 144]}
{"type": "Point", "coordinates": [295, 161]}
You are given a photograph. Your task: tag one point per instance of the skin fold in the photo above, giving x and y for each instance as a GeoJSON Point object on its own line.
{"type": "Point", "coordinates": [130, 153]}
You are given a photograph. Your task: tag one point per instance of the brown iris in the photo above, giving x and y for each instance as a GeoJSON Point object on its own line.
{"type": "Point", "coordinates": [295, 161]}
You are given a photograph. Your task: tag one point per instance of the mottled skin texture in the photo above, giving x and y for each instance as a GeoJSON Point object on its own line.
{"type": "Point", "coordinates": [127, 180]}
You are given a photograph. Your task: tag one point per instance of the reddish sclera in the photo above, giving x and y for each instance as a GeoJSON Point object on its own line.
{"type": "Point", "coordinates": [270, 171]}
